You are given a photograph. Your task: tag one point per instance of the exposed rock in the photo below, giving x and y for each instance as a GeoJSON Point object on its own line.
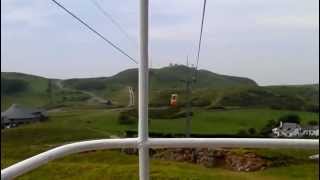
{"type": "Point", "coordinates": [246, 162]}
{"type": "Point", "coordinates": [214, 157]}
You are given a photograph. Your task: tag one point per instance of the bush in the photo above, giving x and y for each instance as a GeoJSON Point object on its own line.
{"type": "Point", "coordinates": [290, 118]}
{"type": "Point", "coordinates": [124, 118]}
{"type": "Point", "coordinates": [313, 123]}
{"type": "Point", "coordinates": [242, 133]}
{"type": "Point", "coordinates": [266, 130]}
{"type": "Point", "coordinates": [252, 131]}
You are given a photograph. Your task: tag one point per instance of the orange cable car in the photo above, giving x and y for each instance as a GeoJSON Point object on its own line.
{"type": "Point", "coordinates": [173, 100]}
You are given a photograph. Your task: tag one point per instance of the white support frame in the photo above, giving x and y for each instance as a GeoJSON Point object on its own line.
{"type": "Point", "coordinates": [143, 142]}
{"type": "Point", "coordinates": [61, 151]}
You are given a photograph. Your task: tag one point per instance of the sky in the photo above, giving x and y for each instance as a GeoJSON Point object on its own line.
{"type": "Point", "coordinates": [270, 41]}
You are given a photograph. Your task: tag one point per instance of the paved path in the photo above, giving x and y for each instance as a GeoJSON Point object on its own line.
{"type": "Point", "coordinates": [92, 95]}
{"type": "Point", "coordinates": [96, 98]}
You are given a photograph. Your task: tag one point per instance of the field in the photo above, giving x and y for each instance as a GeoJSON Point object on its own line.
{"type": "Point", "coordinates": [226, 122]}
{"type": "Point", "coordinates": [75, 125]}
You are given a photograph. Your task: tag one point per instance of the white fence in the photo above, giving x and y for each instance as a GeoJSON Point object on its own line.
{"type": "Point", "coordinates": [143, 142]}
{"type": "Point", "coordinates": [43, 158]}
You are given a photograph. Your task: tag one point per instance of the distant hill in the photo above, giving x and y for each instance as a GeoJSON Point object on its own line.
{"type": "Point", "coordinates": [31, 90]}
{"type": "Point", "coordinates": [210, 90]}
{"type": "Point", "coordinates": [167, 77]}
{"type": "Point", "coordinates": [309, 92]}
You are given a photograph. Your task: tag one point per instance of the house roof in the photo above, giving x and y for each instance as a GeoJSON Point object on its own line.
{"type": "Point", "coordinates": [311, 128]}
{"type": "Point", "coordinates": [19, 112]}
{"type": "Point", "coordinates": [290, 126]}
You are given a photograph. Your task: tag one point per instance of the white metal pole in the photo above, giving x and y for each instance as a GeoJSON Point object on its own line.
{"type": "Point", "coordinates": [143, 93]}
{"type": "Point", "coordinates": [233, 143]}
{"type": "Point", "coordinates": [61, 151]}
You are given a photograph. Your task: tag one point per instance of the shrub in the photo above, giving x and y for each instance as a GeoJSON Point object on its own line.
{"type": "Point", "coordinates": [242, 133]}
{"type": "Point", "coordinates": [290, 118]}
{"type": "Point", "coordinates": [313, 123]}
{"type": "Point", "coordinates": [252, 131]}
{"type": "Point", "coordinates": [124, 118]}
{"type": "Point", "coordinates": [266, 130]}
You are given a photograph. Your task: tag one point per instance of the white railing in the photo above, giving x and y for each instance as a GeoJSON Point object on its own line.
{"type": "Point", "coordinates": [43, 158]}
{"type": "Point", "coordinates": [143, 142]}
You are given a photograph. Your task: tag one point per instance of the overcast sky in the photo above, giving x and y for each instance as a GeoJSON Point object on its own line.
{"type": "Point", "coordinates": [269, 41]}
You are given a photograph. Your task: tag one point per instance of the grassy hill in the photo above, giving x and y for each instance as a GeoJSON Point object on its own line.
{"type": "Point", "coordinates": [32, 90]}
{"type": "Point", "coordinates": [210, 90]}
{"type": "Point", "coordinates": [164, 78]}
{"type": "Point", "coordinates": [309, 92]}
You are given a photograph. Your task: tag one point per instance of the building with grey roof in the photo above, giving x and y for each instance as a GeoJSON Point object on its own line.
{"type": "Point", "coordinates": [17, 114]}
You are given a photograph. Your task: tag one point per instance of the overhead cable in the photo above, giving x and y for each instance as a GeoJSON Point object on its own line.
{"type": "Point", "coordinates": [94, 31]}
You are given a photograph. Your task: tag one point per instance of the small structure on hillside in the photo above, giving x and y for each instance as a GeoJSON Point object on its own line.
{"type": "Point", "coordinates": [17, 114]}
{"type": "Point", "coordinates": [295, 130]}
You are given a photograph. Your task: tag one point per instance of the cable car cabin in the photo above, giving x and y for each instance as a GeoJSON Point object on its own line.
{"type": "Point", "coordinates": [173, 100]}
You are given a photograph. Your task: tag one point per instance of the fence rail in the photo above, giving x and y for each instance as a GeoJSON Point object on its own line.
{"type": "Point", "coordinates": [73, 148]}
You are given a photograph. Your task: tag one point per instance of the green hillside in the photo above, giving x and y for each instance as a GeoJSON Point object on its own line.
{"type": "Point", "coordinates": [163, 78]}
{"type": "Point", "coordinates": [211, 90]}
{"type": "Point", "coordinates": [32, 90]}
{"type": "Point", "coordinates": [24, 88]}
{"type": "Point", "coordinates": [309, 92]}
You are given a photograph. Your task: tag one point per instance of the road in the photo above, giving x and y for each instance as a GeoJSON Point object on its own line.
{"type": "Point", "coordinates": [93, 97]}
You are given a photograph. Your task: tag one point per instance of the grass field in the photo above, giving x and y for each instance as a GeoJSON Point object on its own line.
{"type": "Point", "coordinates": [227, 122]}
{"type": "Point", "coordinates": [75, 125]}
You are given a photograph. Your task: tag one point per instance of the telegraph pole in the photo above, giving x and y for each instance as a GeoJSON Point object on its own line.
{"type": "Point", "coordinates": [188, 108]}
{"type": "Point", "coordinates": [49, 91]}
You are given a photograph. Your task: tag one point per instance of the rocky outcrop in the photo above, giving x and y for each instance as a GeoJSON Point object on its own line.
{"type": "Point", "coordinates": [211, 158]}
{"type": "Point", "coordinates": [246, 162]}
